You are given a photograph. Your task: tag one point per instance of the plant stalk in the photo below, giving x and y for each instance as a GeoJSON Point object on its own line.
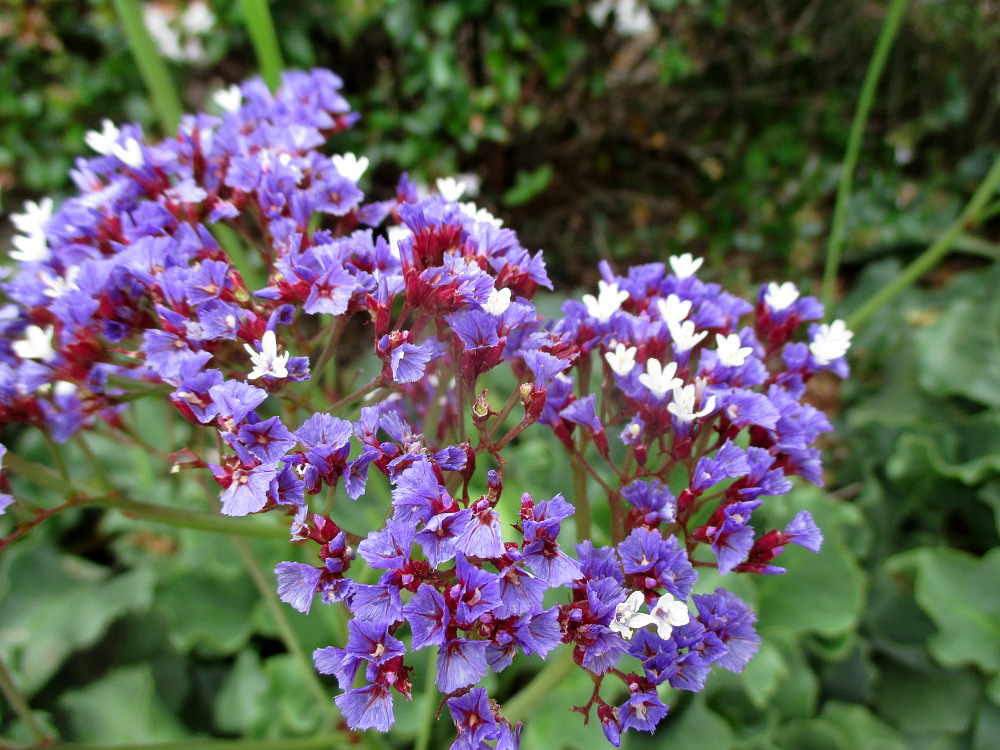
{"type": "Point", "coordinates": [880, 56]}
{"type": "Point", "coordinates": [162, 92]}
{"type": "Point", "coordinates": [260, 26]}
{"type": "Point", "coordinates": [970, 215]}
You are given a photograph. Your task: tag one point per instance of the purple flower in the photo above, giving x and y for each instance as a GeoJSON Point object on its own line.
{"type": "Point", "coordinates": [368, 707]}
{"type": "Point", "coordinates": [297, 584]}
{"type": "Point", "coordinates": [428, 615]}
{"type": "Point", "coordinates": [641, 711]}
{"type": "Point", "coordinates": [802, 530]}
{"type": "Point", "coordinates": [461, 662]}
{"type": "Point", "coordinates": [482, 536]}
{"type": "Point", "coordinates": [473, 719]}
{"type": "Point", "coordinates": [247, 492]}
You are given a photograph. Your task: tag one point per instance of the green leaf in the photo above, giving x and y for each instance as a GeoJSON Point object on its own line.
{"type": "Point", "coordinates": [55, 604]}
{"type": "Point", "coordinates": [963, 340]}
{"type": "Point", "coordinates": [927, 701]}
{"type": "Point", "coordinates": [694, 726]}
{"type": "Point", "coordinates": [528, 184]}
{"type": "Point", "coordinates": [210, 613]}
{"type": "Point", "coordinates": [863, 730]}
{"type": "Point", "coordinates": [764, 674]}
{"type": "Point", "coordinates": [959, 593]}
{"type": "Point", "coordinates": [810, 734]}
{"type": "Point", "coordinates": [121, 707]}
{"type": "Point", "coordinates": [821, 593]}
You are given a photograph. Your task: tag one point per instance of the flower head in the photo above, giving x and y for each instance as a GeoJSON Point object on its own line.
{"type": "Point", "coordinates": [267, 360]}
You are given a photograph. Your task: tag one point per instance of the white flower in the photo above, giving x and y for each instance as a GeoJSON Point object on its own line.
{"type": "Point", "coordinates": [674, 309]}
{"type": "Point", "coordinates": [498, 301]}
{"type": "Point", "coordinates": [625, 613]}
{"type": "Point", "coordinates": [781, 297]}
{"type": "Point", "coordinates": [267, 361]}
{"type": "Point", "coordinates": [198, 18]}
{"type": "Point", "coordinates": [666, 614]}
{"type": "Point", "coordinates": [658, 379]}
{"type": "Point", "coordinates": [476, 213]}
{"type": "Point", "coordinates": [450, 188]}
{"type": "Point", "coordinates": [622, 359]}
{"type": "Point", "coordinates": [394, 235]}
{"type": "Point", "coordinates": [102, 142]}
{"type": "Point", "coordinates": [731, 352]}
{"type": "Point", "coordinates": [830, 342]}
{"type": "Point", "coordinates": [34, 218]}
{"type": "Point", "coordinates": [31, 247]}
{"type": "Point", "coordinates": [37, 344]}
{"type": "Point", "coordinates": [57, 286]}
{"type": "Point", "coordinates": [684, 336]}
{"type": "Point", "coordinates": [683, 405]}
{"type": "Point", "coordinates": [350, 166]}
{"type": "Point", "coordinates": [229, 98]}
{"type": "Point", "coordinates": [130, 153]}
{"type": "Point", "coordinates": [685, 265]}
{"type": "Point", "coordinates": [607, 302]}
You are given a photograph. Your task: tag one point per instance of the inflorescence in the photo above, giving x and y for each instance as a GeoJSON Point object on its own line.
{"type": "Point", "coordinates": [681, 401]}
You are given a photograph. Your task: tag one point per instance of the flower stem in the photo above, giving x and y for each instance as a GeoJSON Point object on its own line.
{"type": "Point", "coordinates": [165, 99]}
{"type": "Point", "coordinates": [581, 501]}
{"type": "Point", "coordinates": [19, 705]}
{"type": "Point", "coordinates": [970, 215]}
{"type": "Point", "coordinates": [532, 697]}
{"type": "Point", "coordinates": [285, 630]}
{"type": "Point", "coordinates": [835, 244]}
{"type": "Point", "coordinates": [430, 693]}
{"type": "Point", "coordinates": [265, 40]}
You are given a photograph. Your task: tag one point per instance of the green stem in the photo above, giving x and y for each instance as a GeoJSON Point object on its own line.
{"type": "Point", "coordinates": [57, 458]}
{"type": "Point", "coordinates": [274, 605]}
{"type": "Point", "coordinates": [581, 501]}
{"type": "Point", "coordinates": [532, 697]}
{"type": "Point", "coordinates": [95, 465]}
{"type": "Point", "coordinates": [835, 245]}
{"type": "Point", "coordinates": [930, 257]}
{"type": "Point", "coordinates": [321, 742]}
{"type": "Point", "coordinates": [19, 705]}
{"type": "Point", "coordinates": [153, 69]}
{"type": "Point", "coordinates": [238, 255]}
{"type": "Point", "coordinates": [189, 519]}
{"type": "Point", "coordinates": [430, 693]}
{"type": "Point", "coordinates": [265, 40]}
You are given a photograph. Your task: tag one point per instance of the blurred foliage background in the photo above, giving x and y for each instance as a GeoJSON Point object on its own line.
{"type": "Point", "coordinates": [719, 130]}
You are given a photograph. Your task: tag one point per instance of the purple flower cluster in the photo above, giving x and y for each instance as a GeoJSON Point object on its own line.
{"type": "Point", "coordinates": [127, 284]}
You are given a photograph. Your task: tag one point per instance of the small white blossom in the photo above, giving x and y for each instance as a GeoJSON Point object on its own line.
{"type": "Point", "coordinates": [607, 302]}
{"type": "Point", "coordinates": [198, 18]}
{"type": "Point", "coordinates": [394, 235]}
{"type": "Point", "coordinates": [102, 142]}
{"type": "Point", "coordinates": [476, 213]}
{"type": "Point", "coordinates": [780, 297]}
{"type": "Point", "coordinates": [450, 188]}
{"type": "Point", "coordinates": [229, 98]}
{"type": "Point", "coordinates": [667, 614]}
{"type": "Point", "coordinates": [130, 153]}
{"type": "Point", "coordinates": [34, 218]}
{"type": "Point", "coordinates": [625, 613]}
{"type": "Point", "coordinates": [350, 166]}
{"type": "Point", "coordinates": [731, 352]}
{"type": "Point", "coordinates": [30, 248]}
{"type": "Point", "coordinates": [683, 405]}
{"type": "Point", "coordinates": [658, 379]}
{"type": "Point", "coordinates": [674, 309]}
{"type": "Point", "coordinates": [57, 286]}
{"type": "Point", "coordinates": [36, 344]}
{"type": "Point", "coordinates": [498, 302]}
{"type": "Point", "coordinates": [64, 388]}
{"type": "Point", "coordinates": [830, 342]}
{"type": "Point", "coordinates": [684, 336]}
{"type": "Point", "coordinates": [622, 359]}
{"type": "Point", "coordinates": [267, 361]}
{"type": "Point", "coordinates": [685, 265]}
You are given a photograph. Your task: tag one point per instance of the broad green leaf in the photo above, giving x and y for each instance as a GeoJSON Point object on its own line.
{"type": "Point", "coordinates": [863, 730]}
{"type": "Point", "coordinates": [927, 701]}
{"type": "Point", "coordinates": [986, 733]}
{"type": "Point", "coordinates": [121, 707]}
{"type": "Point", "coordinates": [811, 734]}
{"type": "Point", "coordinates": [821, 593]}
{"type": "Point", "coordinates": [962, 341]}
{"type": "Point", "coordinates": [960, 594]}
{"type": "Point", "coordinates": [55, 604]}
{"type": "Point", "coordinates": [764, 673]}
{"type": "Point", "coordinates": [240, 704]}
{"type": "Point", "coordinates": [695, 725]}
